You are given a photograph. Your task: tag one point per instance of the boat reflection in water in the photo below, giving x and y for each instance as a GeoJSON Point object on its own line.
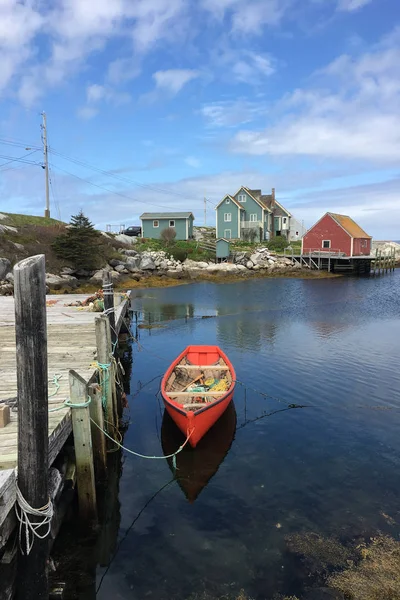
{"type": "Point", "coordinates": [196, 466]}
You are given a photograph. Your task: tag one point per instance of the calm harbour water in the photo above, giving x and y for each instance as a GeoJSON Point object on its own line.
{"type": "Point", "coordinates": [331, 467]}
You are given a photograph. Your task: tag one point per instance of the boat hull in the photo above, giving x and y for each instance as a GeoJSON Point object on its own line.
{"type": "Point", "coordinates": [197, 423]}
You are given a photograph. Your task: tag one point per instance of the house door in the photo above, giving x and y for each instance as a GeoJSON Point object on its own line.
{"type": "Point", "coordinates": [227, 234]}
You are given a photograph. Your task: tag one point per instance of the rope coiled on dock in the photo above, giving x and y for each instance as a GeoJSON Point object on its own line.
{"type": "Point", "coordinates": [28, 529]}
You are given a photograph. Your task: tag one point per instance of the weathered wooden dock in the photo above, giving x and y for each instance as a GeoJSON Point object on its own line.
{"type": "Point", "coordinates": [71, 345]}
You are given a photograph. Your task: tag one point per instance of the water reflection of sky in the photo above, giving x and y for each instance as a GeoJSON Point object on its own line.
{"type": "Point", "coordinates": [330, 467]}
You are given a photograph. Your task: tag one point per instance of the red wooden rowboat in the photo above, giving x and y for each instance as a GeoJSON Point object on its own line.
{"type": "Point", "coordinates": [197, 389]}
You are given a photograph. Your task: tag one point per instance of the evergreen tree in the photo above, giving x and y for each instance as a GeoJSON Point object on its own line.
{"type": "Point", "coordinates": [80, 245]}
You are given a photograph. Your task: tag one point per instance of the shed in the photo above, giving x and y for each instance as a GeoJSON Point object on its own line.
{"type": "Point", "coordinates": [337, 234]}
{"type": "Point", "coordinates": [222, 247]}
{"type": "Point", "coordinates": [154, 223]}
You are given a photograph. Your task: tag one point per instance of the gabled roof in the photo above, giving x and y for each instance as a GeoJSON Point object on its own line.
{"type": "Point", "coordinates": [350, 226]}
{"type": "Point", "coordinates": [172, 215]}
{"type": "Point", "coordinates": [251, 194]}
{"type": "Point", "coordinates": [223, 240]}
{"type": "Point", "coordinates": [232, 199]}
{"type": "Point", "coordinates": [266, 199]}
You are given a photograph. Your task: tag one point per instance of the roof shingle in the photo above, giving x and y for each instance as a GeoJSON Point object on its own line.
{"type": "Point", "coordinates": [350, 226]}
{"type": "Point", "coordinates": [169, 215]}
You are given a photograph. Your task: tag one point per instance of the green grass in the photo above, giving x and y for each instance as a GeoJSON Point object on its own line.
{"type": "Point", "coordinates": [14, 220]}
{"type": "Point", "coordinates": [191, 248]}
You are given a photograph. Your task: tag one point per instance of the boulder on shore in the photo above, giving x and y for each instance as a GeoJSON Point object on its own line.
{"type": "Point", "coordinates": [5, 267]}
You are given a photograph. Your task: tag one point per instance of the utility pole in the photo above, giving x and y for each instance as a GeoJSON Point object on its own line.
{"type": "Point", "coordinates": [46, 164]}
{"type": "Point", "coordinates": [205, 210]}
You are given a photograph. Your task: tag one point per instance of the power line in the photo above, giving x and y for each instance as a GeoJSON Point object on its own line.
{"type": "Point", "coordinates": [18, 144]}
{"type": "Point", "coordinates": [120, 178]}
{"type": "Point", "coordinates": [18, 159]}
{"type": "Point", "coordinates": [108, 190]}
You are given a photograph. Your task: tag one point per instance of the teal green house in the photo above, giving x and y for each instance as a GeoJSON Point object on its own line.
{"type": "Point", "coordinates": [154, 223]}
{"type": "Point", "coordinates": [251, 211]}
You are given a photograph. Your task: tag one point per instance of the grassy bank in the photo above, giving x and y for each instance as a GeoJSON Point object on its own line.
{"type": "Point", "coordinates": [35, 235]}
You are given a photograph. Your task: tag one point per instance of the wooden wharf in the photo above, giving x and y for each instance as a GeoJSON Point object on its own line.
{"type": "Point", "coordinates": [77, 341]}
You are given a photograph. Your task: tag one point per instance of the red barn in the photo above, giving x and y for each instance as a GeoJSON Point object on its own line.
{"type": "Point", "coordinates": [337, 233]}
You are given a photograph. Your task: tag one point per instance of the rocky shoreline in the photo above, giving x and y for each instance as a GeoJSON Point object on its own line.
{"type": "Point", "coordinates": [134, 267]}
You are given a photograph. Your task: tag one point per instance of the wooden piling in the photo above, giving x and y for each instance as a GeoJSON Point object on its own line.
{"type": "Point", "coordinates": [103, 343]}
{"type": "Point", "coordinates": [108, 291]}
{"type": "Point", "coordinates": [83, 449]}
{"type": "Point", "coordinates": [98, 437]}
{"type": "Point", "coordinates": [33, 441]}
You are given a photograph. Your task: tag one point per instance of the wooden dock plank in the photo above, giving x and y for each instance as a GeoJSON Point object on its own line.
{"type": "Point", "coordinates": [71, 345]}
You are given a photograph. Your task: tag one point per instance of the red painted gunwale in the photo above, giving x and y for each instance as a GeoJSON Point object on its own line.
{"type": "Point", "coordinates": [199, 421]}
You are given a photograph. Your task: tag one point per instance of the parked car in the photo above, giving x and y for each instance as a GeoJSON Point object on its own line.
{"type": "Point", "coordinates": [133, 230]}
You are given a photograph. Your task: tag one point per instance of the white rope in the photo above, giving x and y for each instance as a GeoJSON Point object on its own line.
{"type": "Point", "coordinates": [27, 529]}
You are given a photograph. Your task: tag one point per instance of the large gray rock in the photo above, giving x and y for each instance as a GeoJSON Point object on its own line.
{"type": "Point", "coordinates": [147, 264]}
{"type": "Point", "coordinates": [19, 246]}
{"type": "Point", "coordinates": [114, 262]}
{"type": "Point", "coordinates": [56, 282]}
{"type": "Point", "coordinates": [5, 267]}
{"type": "Point", "coordinates": [126, 239]}
{"type": "Point", "coordinates": [121, 269]}
{"type": "Point", "coordinates": [249, 264]}
{"type": "Point", "coordinates": [9, 277]}
{"type": "Point", "coordinates": [132, 264]}
{"type": "Point", "coordinates": [128, 252]}
{"type": "Point", "coordinates": [97, 277]}
{"type": "Point", "coordinates": [67, 271]}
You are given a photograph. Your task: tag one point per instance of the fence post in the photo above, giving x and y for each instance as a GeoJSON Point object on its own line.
{"type": "Point", "coordinates": [78, 390]}
{"type": "Point", "coordinates": [33, 440]}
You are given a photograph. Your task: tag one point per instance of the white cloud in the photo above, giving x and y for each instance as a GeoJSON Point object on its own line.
{"type": "Point", "coordinates": [252, 67]}
{"type": "Point", "coordinates": [173, 80]}
{"type": "Point", "coordinates": [231, 113]}
{"type": "Point", "coordinates": [87, 112]}
{"type": "Point", "coordinates": [123, 69]}
{"type": "Point", "coordinates": [192, 161]}
{"type": "Point", "coordinates": [247, 16]}
{"type": "Point", "coordinates": [351, 5]}
{"type": "Point", "coordinates": [352, 115]}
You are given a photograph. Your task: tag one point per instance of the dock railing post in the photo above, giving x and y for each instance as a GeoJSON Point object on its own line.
{"type": "Point", "coordinates": [98, 437]}
{"type": "Point", "coordinates": [109, 310]}
{"type": "Point", "coordinates": [104, 358]}
{"type": "Point", "coordinates": [33, 440]}
{"type": "Point", "coordinates": [79, 395]}
{"type": "Point", "coordinates": [108, 291]}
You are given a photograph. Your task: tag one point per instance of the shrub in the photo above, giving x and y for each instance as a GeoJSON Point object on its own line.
{"type": "Point", "coordinates": [179, 253]}
{"type": "Point", "coordinates": [168, 235]}
{"type": "Point", "coordinates": [80, 245]}
{"type": "Point", "coordinates": [278, 242]}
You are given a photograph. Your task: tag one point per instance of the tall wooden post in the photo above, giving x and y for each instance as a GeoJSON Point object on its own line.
{"type": "Point", "coordinates": [103, 343]}
{"type": "Point", "coordinates": [33, 441]}
{"type": "Point", "coordinates": [108, 292]}
{"type": "Point", "coordinates": [78, 391]}
{"type": "Point", "coordinates": [98, 437]}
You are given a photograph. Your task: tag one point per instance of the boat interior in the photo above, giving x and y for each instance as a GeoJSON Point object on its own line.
{"type": "Point", "coordinates": [194, 386]}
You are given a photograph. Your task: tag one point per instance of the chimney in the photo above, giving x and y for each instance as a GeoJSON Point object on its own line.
{"type": "Point", "coordinates": [272, 230]}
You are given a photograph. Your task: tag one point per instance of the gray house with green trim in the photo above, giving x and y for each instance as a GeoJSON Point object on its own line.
{"type": "Point", "coordinates": [249, 212]}
{"type": "Point", "coordinates": [154, 223]}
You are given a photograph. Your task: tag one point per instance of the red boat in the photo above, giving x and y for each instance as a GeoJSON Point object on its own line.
{"type": "Point", "coordinates": [197, 389]}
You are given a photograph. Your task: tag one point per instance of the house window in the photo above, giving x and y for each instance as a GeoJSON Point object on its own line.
{"type": "Point", "coordinates": [227, 234]}
{"type": "Point", "coordinates": [326, 243]}
{"type": "Point", "coordinates": [297, 233]}
{"type": "Point", "coordinates": [242, 197]}
{"type": "Point", "coordinates": [253, 218]}
{"type": "Point", "coordinates": [155, 224]}
{"type": "Point", "coordinates": [284, 219]}
{"type": "Point", "coordinates": [227, 201]}
{"type": "Point", "coordinates": [363, 243]}
{"type": "Point", "coordinates": [227, 217]}
{"type": "Point", "coordinates": [172, 223]}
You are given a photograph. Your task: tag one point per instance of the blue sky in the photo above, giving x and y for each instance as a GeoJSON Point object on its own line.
{"type": "Point", "coordinates": [154, 104]}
